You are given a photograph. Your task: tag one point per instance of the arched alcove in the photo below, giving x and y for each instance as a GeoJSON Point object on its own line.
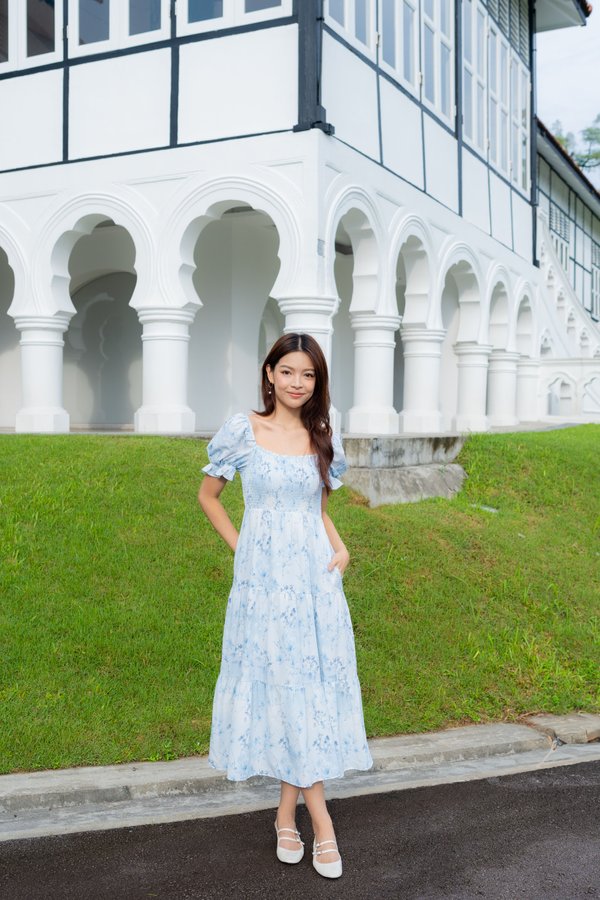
{"type": "Point", "coordinates": [498, 322]}
{"type": "Point", "coordinates": [103, 349]}
{"type": "Point", "coordinates": [235, 265]}
{"type": "Point", "coordinates": [561, 397]}
{"type": "Point", "coordinates": [591, 396]}
{"type": "Point", "coordinates": [449, 369]}
{"type": "Point", "coordinates": [524, 328]}
{"type": "Point", "coordinates": [10, 370]}
{"type": "Point", "coordinates": [342, 350]}
{"type": "Point", "coordinates": [401, 287]}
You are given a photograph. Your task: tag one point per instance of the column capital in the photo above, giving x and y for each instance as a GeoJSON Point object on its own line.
{"type": "Point", "coordinates": [307, 306]}
{"type": "Point", "coordinates": [472, 349]}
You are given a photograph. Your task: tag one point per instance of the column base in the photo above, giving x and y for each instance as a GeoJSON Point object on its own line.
{"type": "Point", "coordinates": [420, 423]}
{"type": "Point", "coordinates": [42, 420]}
{"type": "Point", "coordinates": [160, 420]}
{"type": "Point", "coordinates": [466, 422]}
{"type": "Point", "coordinates": [362, 420]}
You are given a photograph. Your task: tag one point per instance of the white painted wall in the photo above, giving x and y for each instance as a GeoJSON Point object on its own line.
{"type": "Point", "coordinates": [441, 164]}
{"type": "Point", "coordinates": [31, 120]}
{"type": "Point", "coordinates": [120, 104]}
{"type": "Point", "coordinates": [350, 97]}
{"type": "Point", "coordinates": [476, 206]}
{"type": "Point", "coordinates": [256, 92]}
{"type": "Point", "coordinates": [401, 134]}
{"type": "Point", "coordinates": [500, 206]}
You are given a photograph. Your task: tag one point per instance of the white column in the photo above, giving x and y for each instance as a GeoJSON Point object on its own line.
{"type": "Point", "coordinates": [42, 373]}
{"type": "Point", "coordinates": [165, 340]}
{"type": "Point", "coordinates": [528, 374]}
{"type": "Point", "coordinates": [311, 315]}
{"type": "Point", "coordinates": [373, 408]}
{"type": "Point", "coordinates": [472, 385]}
{"type": "Point", "coordinates": [422, 357]}
{"type": "Point", "coordinates": [502, 388]}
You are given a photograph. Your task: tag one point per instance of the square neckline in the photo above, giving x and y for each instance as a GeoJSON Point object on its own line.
{"type": "Point", "coordinates": [273, 452]}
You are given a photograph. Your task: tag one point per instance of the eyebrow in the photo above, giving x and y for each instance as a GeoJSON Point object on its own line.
{"type": "Point", "coordinates": [285, 366]}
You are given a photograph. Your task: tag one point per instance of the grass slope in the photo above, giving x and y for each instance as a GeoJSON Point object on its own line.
{"type": "Point", "coordinates": [113, 589]}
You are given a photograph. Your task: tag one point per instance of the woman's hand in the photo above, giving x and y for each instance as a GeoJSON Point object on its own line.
{"type": "Point", "coordinates": [339, 559]}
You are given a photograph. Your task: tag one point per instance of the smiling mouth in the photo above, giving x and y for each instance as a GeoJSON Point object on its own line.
{"type": "Point", "coordinates": [292, 394]}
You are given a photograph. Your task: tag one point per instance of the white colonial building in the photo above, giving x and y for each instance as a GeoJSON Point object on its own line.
{"type": "Point", "coordinates": [182, 181]}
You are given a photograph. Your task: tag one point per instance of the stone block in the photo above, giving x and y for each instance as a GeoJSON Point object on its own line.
{"type": "Point", "coordinates": [574, 728]}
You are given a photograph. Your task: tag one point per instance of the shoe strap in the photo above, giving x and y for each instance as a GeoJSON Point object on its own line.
{"type": "Point", "coordinates": [296, 839]}
{"type": "Point", "coordinates": [321, 844]}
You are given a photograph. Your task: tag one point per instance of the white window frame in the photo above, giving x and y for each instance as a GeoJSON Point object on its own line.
{"type": "Point", "coordinates": [17, 39]}
{"type": "Point", "coordinates": [595, 272]}
{"type": "Point", "coordinates": [118, 29]}
{"type": "Point", "coordinates": [347, 30]}
{"type": "Point", "coordinates": [439, 40]}
{"type": "Point", "coordinates": [477, 68]}
{"type": "Point", "coordinates": [397, 70]}
{"type": "Point", "coordinates": [233, 14]}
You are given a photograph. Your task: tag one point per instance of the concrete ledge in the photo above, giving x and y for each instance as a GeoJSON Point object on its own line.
{"type": "Point", "coordinates": [406, 484]}
{"type": "Point", "coordinates": [393, 451]}
{"type": "Point", "coordinates": [575, 728]}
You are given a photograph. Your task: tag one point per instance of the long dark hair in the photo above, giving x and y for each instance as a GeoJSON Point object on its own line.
{"type": "Point", "coordinates": [315, 412]}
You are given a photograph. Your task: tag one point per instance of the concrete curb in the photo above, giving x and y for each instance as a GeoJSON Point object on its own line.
{"type": "Point", "coordinates": [90, 797]}
{"type": "Point", "coordinates": [193, 775]}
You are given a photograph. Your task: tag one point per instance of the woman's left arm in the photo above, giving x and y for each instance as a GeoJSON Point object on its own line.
{"type": "Point", "coordinates": [340, 557]}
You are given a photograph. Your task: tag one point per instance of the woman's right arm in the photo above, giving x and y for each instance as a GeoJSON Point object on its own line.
{"type": "Point", "coordinates": [208, 498]}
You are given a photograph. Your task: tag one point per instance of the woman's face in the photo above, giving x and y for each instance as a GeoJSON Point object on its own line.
{"type": "Point", "coordinates": [293, 378]}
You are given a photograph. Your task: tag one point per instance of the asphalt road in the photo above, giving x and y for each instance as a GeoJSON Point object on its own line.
{"type": "Point", "coordinates": [533, 835]}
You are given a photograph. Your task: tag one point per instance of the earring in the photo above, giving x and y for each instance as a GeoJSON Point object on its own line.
{"type": "Point", "coordinates": [270, 387]}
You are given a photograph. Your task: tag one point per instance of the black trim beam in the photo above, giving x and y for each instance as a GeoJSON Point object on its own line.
{"type": "Point", "coordinates": [533, 134]}
{"type": "Point", "coordinates": [310, 45]}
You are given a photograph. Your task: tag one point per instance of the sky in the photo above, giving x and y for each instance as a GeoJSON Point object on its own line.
{"type": "Point", "coordinates": [568, 74]}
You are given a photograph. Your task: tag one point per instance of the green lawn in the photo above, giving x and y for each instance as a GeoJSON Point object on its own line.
{"type": "Point", "coordinates": [113, 590]}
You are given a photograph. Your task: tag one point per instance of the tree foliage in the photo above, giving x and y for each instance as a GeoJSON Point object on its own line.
{"type": "Point", "coordinates": [586, 150]}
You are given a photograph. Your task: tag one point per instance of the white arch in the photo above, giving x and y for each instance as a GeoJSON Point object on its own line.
{"type": "Point", "coordinates": [14, 240]}
{"type": "Point", "coordinates": [200, 202]}
{"type": "Point", "coordinates": [522, 334]}
{"type": "Point", "coordinates": [78, 215]}
{"type": "Point", "coordinates": [459, 256]}
{"type": "Point", "coordinates": [411, 240]}
{"type": "Point", "coordinates": [370, 264]}
{"type": "Point", "coordinates": [498, 276]}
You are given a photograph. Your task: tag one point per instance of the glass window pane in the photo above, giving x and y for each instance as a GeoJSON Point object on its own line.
{"type": "Point", "coordinates": [445, 18]}
{"type": "Point", "coordinates": [40, 27]}
{"type": "Point", "coordinates": [336, 11]}
{"type": "Point", "coordinates": [493, 81]}
{"type": "Point", "coordinates": [514, 89]}
{"type": "Point", "coordinates": [429, 7]}
{"type": "Point", "coordinates": [429, 65]}
{"type": "Point", "coordinates": [467, 31]}
{"type": "Point", "coordinates": [524, 174]}
{"type": "Point", "coordinates": [524, 98]}
{"type": "Point", "coordinates": [144, 15]}
{"type": "Point", "coordinates": [515, 152]}
{"type": "Point", "coordinates": [480, 43]}
{"type": "Point", "coordinates": [360, 21]}
{"type": "Point", "coordinates": [93, 21]}
{"type": "Point", "coordinates": [257, 5]}
{"type": "Point", "coordinates": [388, 31]}
{"type": "Point", "coordinates": [480, 114]}
{"type": "Point", "coordinates": [408, 44]}
{"type": "Point", "coordinates": [203, 10]}
{"type": "Point", "coordinates": [445, 79]}
{"type": "Point", "coordinates": [503, 81]}
{"type": "Point", "coordinates": [468, 104]}
{"type": "Point", "coordinates": [493, 141]}
{"type": "Point", "coordinates": [503, 140]}
{"type": "Point", "coordinates": [3, 30]}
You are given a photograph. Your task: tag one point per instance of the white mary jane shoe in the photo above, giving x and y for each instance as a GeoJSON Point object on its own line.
{"type": "Point", "coordinates": [283, 853]}
{"type": "Point", "coordinates": [326, 869]}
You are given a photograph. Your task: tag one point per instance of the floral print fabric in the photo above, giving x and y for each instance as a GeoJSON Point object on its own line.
{"type": "Point", "coordinates": [287, 701]}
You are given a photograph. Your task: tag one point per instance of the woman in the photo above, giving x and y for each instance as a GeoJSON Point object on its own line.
{"type": "Point", "coordinates": [287, 701]}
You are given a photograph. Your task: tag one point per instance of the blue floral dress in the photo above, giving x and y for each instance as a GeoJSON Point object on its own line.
{"type": "Point", "coordinates": [287, 701]}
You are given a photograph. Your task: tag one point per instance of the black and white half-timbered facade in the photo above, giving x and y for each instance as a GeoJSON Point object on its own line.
{"type": "Point", "coordinates": [182, 181]}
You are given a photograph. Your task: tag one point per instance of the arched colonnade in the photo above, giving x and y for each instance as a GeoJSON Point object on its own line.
{"type": "Point", "coordinates": [124, 315]}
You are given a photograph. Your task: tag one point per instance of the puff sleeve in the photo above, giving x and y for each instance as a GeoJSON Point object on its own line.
{"type": "Point", "coordinates": [338, 463]}
{"type": "Point", "coordinates": [228, 450]}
